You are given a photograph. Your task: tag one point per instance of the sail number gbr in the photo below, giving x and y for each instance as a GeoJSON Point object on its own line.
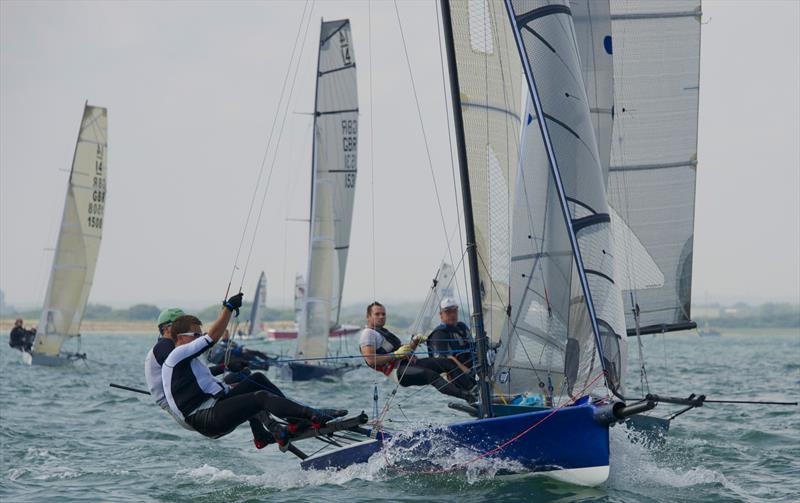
{"type": "Point", "coordinates": [96, 206]}
{"type": "Point", "coordinates": [349, 148]}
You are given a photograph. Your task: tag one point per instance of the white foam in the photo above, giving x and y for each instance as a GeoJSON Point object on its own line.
{"type": "Point", "coordinates": [633, 464]}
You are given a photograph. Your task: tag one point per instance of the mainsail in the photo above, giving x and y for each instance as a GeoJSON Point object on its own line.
{"type": "Point", "coordinates": [332, 187]}
{"type": "Point", "coordinates": [555, 339]}
{"type": "Point", "coordinates": [651, 179]}
{"type": "Point", "coordinates": [78, 239]}
{"type": "Point", "coordinates": [489, 77]}
{"type": "Point", "coordinates": [259, 305]}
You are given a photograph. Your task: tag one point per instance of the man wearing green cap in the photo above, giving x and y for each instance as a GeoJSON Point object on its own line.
{"type": "Point", "coordinates": [155, 359]}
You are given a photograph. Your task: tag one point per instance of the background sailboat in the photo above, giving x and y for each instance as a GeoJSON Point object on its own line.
{"type": "Point", "coordinates": [333, 180]}
{"type": "Point", "coordinates": [78, 244]}
{"type": "Point", "coordinates": [257, 310]}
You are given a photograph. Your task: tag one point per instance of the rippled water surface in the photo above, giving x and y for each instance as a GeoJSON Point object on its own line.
{"type": "Point", "coordinates": [66, 436]}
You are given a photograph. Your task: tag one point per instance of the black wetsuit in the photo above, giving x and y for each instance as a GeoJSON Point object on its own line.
{"type": "Point", "coordinates": [456, 341]}
{"type": "Point", "coordinates": [214, 409]}
{"type": "Point", "coordinates": [21, 339]}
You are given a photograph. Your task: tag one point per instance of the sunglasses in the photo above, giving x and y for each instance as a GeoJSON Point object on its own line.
{"type": "Point", "coordinates": [191, 334]}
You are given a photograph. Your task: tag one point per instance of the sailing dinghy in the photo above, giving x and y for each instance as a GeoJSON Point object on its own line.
{"type": "Point", "coordinates": [259, 305]}
{"type": "Point", "coordinates": [333, 181]}
{"type": "Point", "coordinates": [78, 244]}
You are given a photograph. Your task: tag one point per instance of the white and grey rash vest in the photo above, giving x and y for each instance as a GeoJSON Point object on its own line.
{"type": "Point", "coordinates": [152, 373]}
{"type": "Point", "coordinates": [188, 383]}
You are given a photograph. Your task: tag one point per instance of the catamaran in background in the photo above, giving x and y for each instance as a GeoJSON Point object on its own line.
{"type": "Point", "coordinates": [77, 247]}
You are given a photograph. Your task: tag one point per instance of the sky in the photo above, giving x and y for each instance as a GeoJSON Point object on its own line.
{"type": "Point", "coordinates": [192, 89]}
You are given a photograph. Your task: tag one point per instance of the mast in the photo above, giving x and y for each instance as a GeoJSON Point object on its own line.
{"type": "Point", "coordinates": [537, 103]}
{"type": "Point", "coordinates": [484, 388]}
{"type": "Point", "coordinates": [314, 140]}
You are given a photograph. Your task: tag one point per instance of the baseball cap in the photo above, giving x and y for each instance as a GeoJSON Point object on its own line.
{"type": "Point", "coordinates": [448, 303]}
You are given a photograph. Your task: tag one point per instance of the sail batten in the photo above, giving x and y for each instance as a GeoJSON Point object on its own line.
{"type": "Point", "coordinates": [651, 181]}
{"type": "Point", "coordinates": [334, 171]}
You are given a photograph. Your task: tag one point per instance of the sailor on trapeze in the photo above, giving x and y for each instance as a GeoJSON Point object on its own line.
{"type": "Point", "coordinates": [212, 407]}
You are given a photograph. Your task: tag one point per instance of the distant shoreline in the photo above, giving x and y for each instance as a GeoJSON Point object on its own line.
{"type": "Point", "coordinates": [112, 326]}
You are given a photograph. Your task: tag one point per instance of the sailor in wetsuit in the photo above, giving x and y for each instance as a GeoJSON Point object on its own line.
{"type": "Point", "coordinates": [158, 354]}
{"type": "Point", "coordinates": [214, 408]}
{"type": "Point", "coordinates": [384, 352]}
{"type": "Point", "coordinates": [19, 338]}
{"type": "Point", "coordinates": [452, 340]}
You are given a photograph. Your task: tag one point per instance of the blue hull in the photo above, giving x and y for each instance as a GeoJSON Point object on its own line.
{"type": "Point", "coordinates": [570, 439]}
{"type": "Point", "coordinates": [306, 372]}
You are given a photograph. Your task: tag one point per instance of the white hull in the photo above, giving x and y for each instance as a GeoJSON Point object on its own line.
{"type": "Point", "coordinates": [589, 477]}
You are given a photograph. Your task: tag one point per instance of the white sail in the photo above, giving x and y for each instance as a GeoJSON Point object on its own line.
{"type": "Point", "coordinates": [552, 344]}
{"type": "Point", "coordinates": [651, 182]}
{"type": "Point", "coordinates": [259, 305]}
{"type": "Point", "coordinates": [333, 186]}
{"type": "Point", "coordinates": [79, 237]}
{"type": "Point", "coordinates": [443, 286]}
{"type": "Point", "coordinates": [489, 75]}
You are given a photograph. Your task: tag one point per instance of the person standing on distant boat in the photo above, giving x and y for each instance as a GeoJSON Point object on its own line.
{"type": "Point", "coordinates": [452, 340]}
{"type": "Point", "coordinates": [214, 408]}
{"type": "Point", "coordinates": [19, 338]}
{"type": "Point", "coordinates": [385, 352]}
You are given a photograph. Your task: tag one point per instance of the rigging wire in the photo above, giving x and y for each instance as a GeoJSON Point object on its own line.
{"type": "Point", "coordinates": [371, 148]}
{"type": "Point", "coordinates": [272, 165]}
{"type": "Point", "coordinates": [269, 143]}
{"type": "Point", "coordinates": [277, 144]}
{"type": "Point", "coordinates": [422, 128]}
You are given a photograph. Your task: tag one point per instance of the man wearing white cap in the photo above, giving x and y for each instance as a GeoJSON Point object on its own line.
{"type": "Point", "coordinates": [452, 340]}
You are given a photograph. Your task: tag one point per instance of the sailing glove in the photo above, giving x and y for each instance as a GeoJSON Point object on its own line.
{"type": "Point", "coordinates": [234, 303]}
{"type": "Point", "coordinates": [403, 351]}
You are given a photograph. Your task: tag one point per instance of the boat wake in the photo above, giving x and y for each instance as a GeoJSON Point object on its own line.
{"type": "Point", "coordinates": [634, 467]}
{"type": "Point", "coordinates": [427, 455]}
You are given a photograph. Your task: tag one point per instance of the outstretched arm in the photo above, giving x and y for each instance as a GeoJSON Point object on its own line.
{"type": "Point", "coordinates": [217, 328]}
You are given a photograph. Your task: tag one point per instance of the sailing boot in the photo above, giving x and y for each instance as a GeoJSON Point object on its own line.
{"type": "Point", "coordinates": [322, 417]}
{"type": "Point", "coordinates": [261, 435]}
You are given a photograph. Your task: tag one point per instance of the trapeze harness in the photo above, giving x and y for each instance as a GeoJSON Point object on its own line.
{"type": "Point", "coordinates": [388, 345]}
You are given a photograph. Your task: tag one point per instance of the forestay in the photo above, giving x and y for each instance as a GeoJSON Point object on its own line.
{"type": "Point", "coordinates": [489, 75]}
{"type": "Point", "coordinates": [651, 183]}
{"type": "Point", "coordinates": [79, 237]}
{"type": "Point", "coordinates": [333, 185]}
{"type": "Point", "coordinates": [552, 346]}
{"type": "Point", "coordinates": [259, 305]}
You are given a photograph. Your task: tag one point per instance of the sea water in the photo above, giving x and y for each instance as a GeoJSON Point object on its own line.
{"type": "Point", "coordinates": [67, 436]}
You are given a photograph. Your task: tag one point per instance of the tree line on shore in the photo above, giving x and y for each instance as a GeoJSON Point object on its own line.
{"type": "Point", "coordinates": [740, 315]}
